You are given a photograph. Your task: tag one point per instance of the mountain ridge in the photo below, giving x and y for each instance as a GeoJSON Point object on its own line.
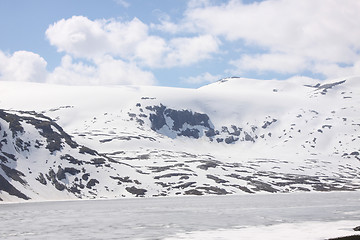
{"type": "Point", "coordinates": [230, 137]}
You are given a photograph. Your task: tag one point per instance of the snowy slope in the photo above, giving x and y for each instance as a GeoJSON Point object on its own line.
{"type": "Point", "coordinates": [230, 137]}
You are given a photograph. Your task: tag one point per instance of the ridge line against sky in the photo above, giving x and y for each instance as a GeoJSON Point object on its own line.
{"type": "Point", "coordinates": [177, 43]}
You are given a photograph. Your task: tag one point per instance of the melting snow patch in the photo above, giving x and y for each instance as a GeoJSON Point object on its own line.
{"type": "Point", "coordinates": [300, 231]}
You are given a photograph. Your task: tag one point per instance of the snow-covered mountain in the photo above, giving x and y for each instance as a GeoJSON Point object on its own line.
{"type": "Point", "coordinates": [230, 137]}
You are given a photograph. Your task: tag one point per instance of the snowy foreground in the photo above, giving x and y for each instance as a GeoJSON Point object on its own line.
{"type": "Point", "coordinates": [305, 216]}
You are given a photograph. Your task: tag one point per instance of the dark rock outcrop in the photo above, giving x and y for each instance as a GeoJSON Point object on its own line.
{"type": "Point", "coordinates": [136, 191]}
{"type": "Point", "coordinates": [10, 189]}
{"type": "Point", "coordinates": [183, 122]}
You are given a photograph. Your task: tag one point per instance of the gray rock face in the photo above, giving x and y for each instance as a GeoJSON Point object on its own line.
{"type": "Point", "coordinates": [268, 123]}
{"type": "Point", "coordinates": [157, 118]}
{"type": "Point", "coordinates": [231, 139]}
{"type": "Point", "coordinates": [41, 179]}
{"type": "Point", "coordinates": [184, 122]}
{"type": "Point", "coordinates": [92, 182]}
{"type": "Point", "coordinates": [195, 125]}
{"type": "Point", "coordinates": [10, 189]}
{"type": "Point", "coordinates": [195, 133]}
{"type": "Point", "coordinates": [136, 191]}
{"type": "Point", "coordinates": [185, 116]}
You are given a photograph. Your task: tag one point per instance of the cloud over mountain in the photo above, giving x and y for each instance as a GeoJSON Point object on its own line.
{"type": "Point", "coordinates": [22, 66]}
{"type": "Point", "coordinates": [261, 39]}
{"type": "Point", "coordinates": [298, 35]}
{"type": "Point", "coordinates": [129, 40]}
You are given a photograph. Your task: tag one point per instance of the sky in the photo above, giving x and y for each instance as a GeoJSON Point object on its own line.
{"type": "Point", "coordinates": [177, 43]}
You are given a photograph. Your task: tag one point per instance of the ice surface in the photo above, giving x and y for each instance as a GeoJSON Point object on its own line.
{"type": "Point", "coordinates": [310, 216]}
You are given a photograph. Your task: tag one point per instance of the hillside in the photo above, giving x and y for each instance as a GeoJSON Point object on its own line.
{"type": "Point", "coordinates": [231, 137]}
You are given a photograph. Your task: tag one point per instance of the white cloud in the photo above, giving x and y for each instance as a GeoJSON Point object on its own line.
{"type": "Point", "coordinates": [106, 71]}
{"type": "Point", "coordinates": [289, 25]}
{"type": "Point", "coordinates": [332, 70]}
{"type": "Point", "coordinates": [129, 41]}
{"type": "Point", "coordinates": [166, 26]}
{"type": "Point", "coordinates": [306, 32]}
{"type": "Point", "coordinates": [280, 36]}
{"type": "Point", "coordinates": [84, 38]}
{"type": "Point", "coordinates": [198, 3]}
{"type": "Point", "coordinates": [114, 71]}
{"type": "Point", "coordinates": [30, 67]}
{"type": "Point", "coordinates": [122, 3]}
{"type": "Point", "coordinates": [150, 52]}
{"type": "Point", "coordinates": [186, 51]}
{"type": "Point", "coordinates": [22, 66]}
{"type": "Point", "coordinates": [117, 49]}
{"type": "Point", "coordinates": [203, 78]}
{"type": "Point", "coordinates": [280, 63]}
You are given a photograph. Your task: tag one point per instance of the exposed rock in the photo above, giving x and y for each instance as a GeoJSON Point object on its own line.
{"type": "Point", "coordinates": [75, 189]}
{"type": "Point", "coordinates": [236, 130]}
{"type": "Point", "coordinates": [184, 185]}
{"type": "Point", "coordinates": [72, 171]}
{"type": "Point", "coordinates": [243, 188]}
{"type": "Point", "coordinates": [53, 138]}
{"type": "Point", "coordinates": [261, 186]}
{"type": "Point", "coordinates": [71, 159]}
{"type": "Point", "coordinates": [87, 150]}
{"type": "Point", "coordinates": [92, 182]}
{"type": "Point", "coordinates": [231, 139]}
{"type": "Point", "coordinates": [136, 191]}
{"type": "Point", "coordinates": [353, 237]}
{"type": "Point", "coordinates": [179, 119]}
{"type": "Point", "coordinates": [3, 159]}
{"type": "Point", "coordinates": [190, 133]}
{"type": "Point", "coordinates": [157, 120]}
{"type": "Point", "coordinates": [193, 192]}
{"type": "Point", "coordinates": [171, 175]}
{"type": "Point", "coordinates": [10, 189]}
{"type": "Point", "coordinates": [59, 186]}
{"type": "Point", "coordinates": [85, 176]}
{"type": "Point", "coordinates": [208, 164]}
{"type": "Point", "coordinates": [185, 116]}
{"type": "Point", "coordinates": [216, 179]}
{"type": "Point", "coordinates": [214, 190]}
{"type": "Point", "coordinates": [122, 179]}
{"type": "Point", "coordinates": [164, 168]}
{"type": "Point", "coordinates": [248, 137]}
{"type": "Point", "coordinates": [267, 123]}
{"type": "Point", "coordinates": [219, 140]}
{"type": "Point", "coordinates": [21, 146]}
{"type": "Point", "coordinates": [13, 174]}
{"type": "Point", "coordinates": [98, 161]}
{"type": "Point", "coordinates": [14, 122]}
{"type": "Point", "coordinates": [60, 173]}
{"type": "Point", "coordinates": [41, 179]}
{"type": "Point", "coordinates": [210, 133]}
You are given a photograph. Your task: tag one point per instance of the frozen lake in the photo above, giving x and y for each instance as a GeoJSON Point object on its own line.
{"type": "Point", "coordinates": [215, 217]}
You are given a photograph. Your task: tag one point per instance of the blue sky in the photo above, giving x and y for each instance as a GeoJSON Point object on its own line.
{"type": "Point", "coordinates": [176, 43]}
